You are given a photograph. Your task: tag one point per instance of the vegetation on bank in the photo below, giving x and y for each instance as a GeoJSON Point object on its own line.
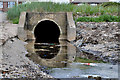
{"type": "Point", "coordinates": [110, 4]}
{"type": "Point", "coordinates": [84, 60]}
{"type": "Point", "coordinates": [101, 18]}
{"type": "Point", "coordinates": [15, 21]}
{"type": "Point", "coordinates": [83, 10]}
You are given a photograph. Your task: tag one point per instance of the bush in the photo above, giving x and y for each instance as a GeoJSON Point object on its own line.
{"type": "Point", "coordinates": [110, 4]}
{"type": "Point", "coordinates": [102, 18]}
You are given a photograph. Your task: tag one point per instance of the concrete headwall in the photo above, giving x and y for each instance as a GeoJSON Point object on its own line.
{"type": "Point", "coordinates": [28, 21]}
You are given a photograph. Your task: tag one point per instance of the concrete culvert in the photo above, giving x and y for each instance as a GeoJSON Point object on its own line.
{"type": "Point", "coordinates": [47, 32]}
{"type": "Point", "coordinates": [48, 38]}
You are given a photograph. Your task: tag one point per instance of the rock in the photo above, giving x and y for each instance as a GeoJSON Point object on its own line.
{"type": "Point", "coordinates": [91, 52]}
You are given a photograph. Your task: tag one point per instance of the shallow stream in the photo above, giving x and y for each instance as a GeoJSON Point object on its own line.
{"type": "Point", "coordinates": [59, 67]}
{"type": "Point", "coordinates": [79, 70]}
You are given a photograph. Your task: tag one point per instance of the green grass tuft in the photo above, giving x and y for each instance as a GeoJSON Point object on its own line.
{"type": "Point", "coordinates": [15, 21]}
{"type": "Point", "coordinates": [84, 60]}
{"type": "Point", "coordinates": [107, 4]}
{"type": "Point", "coordinates": [101, 18]}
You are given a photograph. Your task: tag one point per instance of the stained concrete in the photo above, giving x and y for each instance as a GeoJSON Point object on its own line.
{"type": "Point", "coordinates": [28, 21]}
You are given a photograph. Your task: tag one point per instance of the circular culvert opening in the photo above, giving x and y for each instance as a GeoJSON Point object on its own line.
{"type": "Point", "coordinates": [47, 32]}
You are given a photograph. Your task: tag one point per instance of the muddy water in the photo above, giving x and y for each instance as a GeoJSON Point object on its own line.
{"type": "Point", "coordinates": [56, 57]}
{"type": "Point", "coordinates": [47, 51]}
{"type": "Point", "coordinates": [78, 70]}
{"type": "Point", "coordinates": [48, 54]}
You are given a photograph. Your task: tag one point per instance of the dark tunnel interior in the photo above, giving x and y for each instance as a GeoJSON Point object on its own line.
{"type": "Point", "coordinates": [47, 32]}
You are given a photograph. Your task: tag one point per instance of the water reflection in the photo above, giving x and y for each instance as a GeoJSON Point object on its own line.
{"type": "Point", "coordinates": [47, 54]}
{"type": "Point", "coordinates": [47, 50]}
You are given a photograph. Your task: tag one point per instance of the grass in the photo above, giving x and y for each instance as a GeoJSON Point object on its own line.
{"type": "Point", "coordinates": [84, 60]}
{"type": "Point", "coordinates": [110, 4]}
{"type": "Point", "coordinates": [39, 7]}
{"type": "Point", "coordinates": [101, 18]}
{"type": "Point", "coordinates": [15, 21]}
{"type": "Point", "coordinates": [84, 10]}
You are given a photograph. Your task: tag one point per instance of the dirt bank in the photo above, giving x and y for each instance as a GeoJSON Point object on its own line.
{"type": "Point", "coordinates": [98, 39]}
{"type": "Point", "coordinates": [13, 63]}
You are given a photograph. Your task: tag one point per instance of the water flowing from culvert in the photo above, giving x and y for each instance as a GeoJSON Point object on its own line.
{"type": "Point", "coordinates": [48, 54]}
{"type": "Point", "coordinates": [47, 51]}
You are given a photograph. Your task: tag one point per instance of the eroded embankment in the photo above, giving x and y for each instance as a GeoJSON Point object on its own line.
{"type": "Point", "coordinates": [98, 41]}
{"type": "Point", "coordinates": [13, 63]}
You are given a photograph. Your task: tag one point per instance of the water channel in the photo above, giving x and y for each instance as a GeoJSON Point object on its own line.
{"type": "Point", "coordinates": [48, 54]}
